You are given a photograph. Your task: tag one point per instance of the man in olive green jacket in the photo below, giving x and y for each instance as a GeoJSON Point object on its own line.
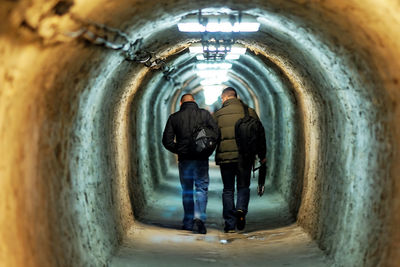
{"type": "Point", "coordinates": [232, 164]}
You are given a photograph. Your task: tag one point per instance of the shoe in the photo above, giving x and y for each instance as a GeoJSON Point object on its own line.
{"type": "Point", "coordinates": [187, 228]}
{"type": "Point", "coordinates": [240, 220]}
{"type": "Point", "coordinates": [199, 227]}
{"type": "Point", "coordinates": [229, 231]}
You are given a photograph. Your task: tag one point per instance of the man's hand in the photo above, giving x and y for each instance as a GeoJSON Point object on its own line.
{"type": "Point", "coordinates": [262, 173]}
{"type": "Point", "coordinates": [260, 190]}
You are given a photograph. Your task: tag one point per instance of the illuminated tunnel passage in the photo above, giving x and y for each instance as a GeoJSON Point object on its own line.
{"type": "Point", "coordinates": [86, 182]}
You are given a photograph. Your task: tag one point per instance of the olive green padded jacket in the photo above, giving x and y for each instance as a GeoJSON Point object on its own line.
{"type": "Point", "coordinates": [226, 117]}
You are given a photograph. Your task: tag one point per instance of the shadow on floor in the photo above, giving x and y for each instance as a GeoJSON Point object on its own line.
{"type": "Point", "coordinates": [165, 209]}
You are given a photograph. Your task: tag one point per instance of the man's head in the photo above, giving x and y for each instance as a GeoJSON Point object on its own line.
{"type": "Point", "coordinates": [228, 93]}
{"type": "Point", "coordinates": [187, 98]}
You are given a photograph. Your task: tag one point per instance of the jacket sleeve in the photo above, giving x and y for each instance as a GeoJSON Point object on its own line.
{"type": "Point", "coordinates": [168, 139]}
{"type": "Point", "coordinates": [211, 120]}
{"type": "Point", "coordinates": [262, 151]}
{"type": "Point", "coordinates": [262, 147]}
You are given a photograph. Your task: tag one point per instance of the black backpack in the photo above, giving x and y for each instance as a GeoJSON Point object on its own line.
{"type": "Point", "coordinates": [204, 138]}
{"type": "Point", "coordinates": [249, 135]}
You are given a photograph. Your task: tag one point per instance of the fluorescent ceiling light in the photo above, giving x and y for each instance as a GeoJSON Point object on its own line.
{"type": "Point", "coordinates": [205, 66]}
{"type": "Point", "coordinates": [246, 27]}
{"type": "Point", "coordinates": [213, 27]}
{"type": "Point", "coordinates": [200, 57]}
{"type": "Point", "coordinates": [229, 56]}
{"type": "Point", "coordinates": [238, 50]}
{"type": "Point", "coordinates": [196, 48]}
{"type": "Point", "coordinates": [218, 23]}
{"type": "Point", "coordinates": [211, 48]}
{"type": "Point", "coordinates": [191, 27]}
{"type": "Point", "coordinates": [191, 24]}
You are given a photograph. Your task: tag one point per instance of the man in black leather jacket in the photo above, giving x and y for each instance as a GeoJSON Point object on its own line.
{"type": "Point", "coordinates": [193, 169]}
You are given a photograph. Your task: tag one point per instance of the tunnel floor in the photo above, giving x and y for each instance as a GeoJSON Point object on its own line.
{"type": "Point", "coordinates": [270, 238]}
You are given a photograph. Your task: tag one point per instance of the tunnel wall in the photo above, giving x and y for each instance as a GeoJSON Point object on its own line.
{"type": "Point", "coordinates": [147, 137]}
{"type": "Point", "coordinates": [39, 191]}
{"type": "Point", "coordinates": [93, 169]}
{"type": "Point", "coordinates": [53, 203]}
{"type": "Point", "coordinates": [71, 193]}
{"type": "Point", "coordinates": [340, 176]}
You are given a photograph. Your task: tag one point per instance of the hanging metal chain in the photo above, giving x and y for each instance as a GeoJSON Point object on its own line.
{"type": "Point", "coordinates": [115, 39]}
{"type": "Point", "coordinates": [55, 25]}
{"type": "Point", "coordinates": [100, 34]}
{"type": "Point", "coordinates": [112, 38]}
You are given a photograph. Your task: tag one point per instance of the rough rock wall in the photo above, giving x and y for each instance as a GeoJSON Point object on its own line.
{"type": "Point", "coordinates": [39, 195]}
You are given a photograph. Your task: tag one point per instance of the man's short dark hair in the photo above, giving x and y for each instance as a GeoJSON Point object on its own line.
{"type": "Point", "coordinates": [187, 97]}
{"type": "Point", "coordinates": [229, 91]}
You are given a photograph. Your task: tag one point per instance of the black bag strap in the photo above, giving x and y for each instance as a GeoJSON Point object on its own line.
{"type": "Point", "coordinates": [199, 120]}
{"type": "Point", "coordinates": [246, 115]}
{"type": "Point", "coordinates": [245, 109]}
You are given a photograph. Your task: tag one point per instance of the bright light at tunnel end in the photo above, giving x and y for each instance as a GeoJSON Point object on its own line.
{"type": "Point", "coordinates": [212, 73]}
{"type": "Point", "coordinates": [211, 93]}
{"type": "Point", "coordinates": [214, 81]}
{"type": "Point", "coordinates": [214, 66]}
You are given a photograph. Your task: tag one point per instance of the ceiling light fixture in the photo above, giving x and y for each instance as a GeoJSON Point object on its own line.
{"type": "Point", "coordinates": [229, 53]}
{"type": "Point", "coordinates": [219, 23]}
{"type": "Point", "coordinates": [200, 57]}
{"type": "Point", "coordinates": [218, 34]}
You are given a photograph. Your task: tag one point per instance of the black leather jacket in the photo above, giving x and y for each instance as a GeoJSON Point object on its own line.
{"type": "Point", "coordinates": [177, 136]}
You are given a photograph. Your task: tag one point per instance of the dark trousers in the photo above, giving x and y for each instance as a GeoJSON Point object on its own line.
{"type": "Point", "coordinates": [242, 172]}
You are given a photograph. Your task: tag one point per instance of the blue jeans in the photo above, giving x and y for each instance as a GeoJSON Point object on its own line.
{"type": "Point", "coordinates": [242, 172]}
{"type": "Point", "coordinates": [194, 172]}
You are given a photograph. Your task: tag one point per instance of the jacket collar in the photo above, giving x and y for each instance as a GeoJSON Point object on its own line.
{"type": "Point", "coordinates": [189, 104]}
{"type": "Point", "coordinates": [230, 101]}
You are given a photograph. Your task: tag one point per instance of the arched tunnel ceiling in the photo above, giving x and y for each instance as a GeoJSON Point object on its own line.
{"type": "Point", "coordinates": [329, 62]}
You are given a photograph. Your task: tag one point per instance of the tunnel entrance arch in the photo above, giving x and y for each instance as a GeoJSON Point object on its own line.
{"type": "Point", "coordinates": [326, 57]}
{"type": "Point", "coordinates": [306, 94]}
